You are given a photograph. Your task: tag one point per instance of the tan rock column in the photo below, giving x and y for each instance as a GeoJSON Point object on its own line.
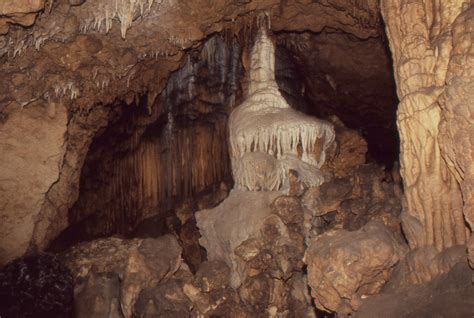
{"type": "Point", "coordinates": [421, 41]}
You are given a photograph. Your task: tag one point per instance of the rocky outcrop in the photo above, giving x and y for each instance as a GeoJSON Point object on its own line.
{"type": "Point", "coordinates": [22, 12]}
{"type": "Point", "coordinates": [427, 41]}
{"type": "Point", "coordinates": [345, 267]}
{"type": "Point", "coordinates": [139, 263]}
{"type": "Point", "coordinates": [262, 242]}
{"type": "Point", "coordinates": [425, 264]}
{"type": "Point", "coordinates": [244, 213]}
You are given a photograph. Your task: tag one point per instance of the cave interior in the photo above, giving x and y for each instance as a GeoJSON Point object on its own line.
{"type": "Point", "coordinates": [236, 158]}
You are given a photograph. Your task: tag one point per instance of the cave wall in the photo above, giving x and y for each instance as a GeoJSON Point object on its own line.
{"type": "Point", "coordinates": [160, 153]}
{"type": "Point", "coordinates": [351, 78]}
{"type": "Point", "coordinates": [431, 42]}
{"type": "Point", "coordinates": [32, 144]}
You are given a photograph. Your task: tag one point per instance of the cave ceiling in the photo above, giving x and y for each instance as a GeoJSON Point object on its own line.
{"type": "Point", "coordinates": [89, 52]}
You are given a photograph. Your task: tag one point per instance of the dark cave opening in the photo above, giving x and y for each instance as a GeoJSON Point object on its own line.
{"type": "Point", "coordinates": [335, 73]}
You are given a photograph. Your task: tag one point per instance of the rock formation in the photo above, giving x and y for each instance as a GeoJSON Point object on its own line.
{"type": "Point", "coordinates": [265, 124]}
{"type": "Point", "coordinates": [427, 39]}
{"type": "Point", "coordinates": [344, 267]}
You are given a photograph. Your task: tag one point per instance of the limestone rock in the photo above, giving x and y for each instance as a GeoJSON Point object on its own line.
{"type": "Point", "coordinates": [345, 266]}
{"type": "Point", "coordinates": [167, 299]}
{"type": "Point", "coordinates": [212, 276]}
{"type": "Point", "coordinates": [31, 163]}
{"type": "Point", "coordinates": [328, 197]}
{"type": "Point", "coordinates": [140, 264]}
{"type": "Point", "coordinates": [244, 213]}
{"type": "Point", "coordinates": [19, 12]}
{"type": "Point", "coordinates": [427, 42]}
{"type": "Point", "coordinates": [97, 295]}
{"type": "Point", "coordinates": [74, 55]}
{"type": "Point", "coordinates": [448, 295]}
{"type": "Point", "coordinates": [350, 150]}
{"type": "Point", "coordinates": [265, 130]}
{"type": "Point", "coordinates": [422, 265]}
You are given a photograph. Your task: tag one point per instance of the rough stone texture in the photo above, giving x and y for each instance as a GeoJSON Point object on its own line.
{"type": "Point", "coordinates": [32, 144]}
{"type": "Point", "coordinates": [21, 12]}
{"type": "Point", "coordinates": [265, 262]}
{"type": "Point", "coordinates": [344, 267]}
{"type": "Point", "coordinates": [350, 150]}
{"type": "Point", "coordinates": [167, 299]}
{"type": "Point", "coordinates": [367, 193]}
{"type": "Point", "coordinates": [422, 265]}
{"type": "Point", "coordinates": [140, 264]}
{"type": "Point", "coordinates": [448, 295]}
{"type": "Point", "coordinates": [97, 295]}
{"type": "Point", "coordinates": [429, 42]}
{"type": "Point", "coordinates": [244, 213]}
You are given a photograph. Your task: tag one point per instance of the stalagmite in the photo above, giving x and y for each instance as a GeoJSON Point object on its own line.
{"type": "Point", "coordinates": [257, 231]}
{"type": "Point", "coordinates": [265, 123]}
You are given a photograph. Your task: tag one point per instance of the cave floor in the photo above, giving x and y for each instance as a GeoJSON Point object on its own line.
{"type": "Point", "coordinates": [449, 295]}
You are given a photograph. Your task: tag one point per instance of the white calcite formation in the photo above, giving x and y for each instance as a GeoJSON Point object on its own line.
{"type": "Point", "coordinates": [264, 123]}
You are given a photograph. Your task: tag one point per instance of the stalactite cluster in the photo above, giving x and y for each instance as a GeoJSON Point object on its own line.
{"type": "Point", "coordinates": [177, 165]}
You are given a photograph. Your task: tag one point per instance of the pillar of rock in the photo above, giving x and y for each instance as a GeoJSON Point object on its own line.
{"type": "Point", "coordinates": [429, 40]}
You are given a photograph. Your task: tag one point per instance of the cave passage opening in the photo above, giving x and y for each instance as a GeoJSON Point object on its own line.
{"type": "Point", "coordinates": [161, 159]}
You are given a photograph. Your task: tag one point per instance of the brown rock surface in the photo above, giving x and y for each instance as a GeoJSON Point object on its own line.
{"type": "Point", "coordinates": [344, 267]}
{"type": "Point", "coordinates": [32, 147]}
{"type": "Point", "coordinates": [140, 264]}
{"type": "Point", "coordinates": [21, 12]}
{"type": "Point", "coordinates": [448, 295]}
{"type": "Point", "coordinates": [427, 42]}
{"type": "Point", "coordinates": [425, 264]}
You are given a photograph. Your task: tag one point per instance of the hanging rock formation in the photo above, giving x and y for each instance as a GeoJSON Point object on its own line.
{"type": "Point", "coordinates": [265, 124]}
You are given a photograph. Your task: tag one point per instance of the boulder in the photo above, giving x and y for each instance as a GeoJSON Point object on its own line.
{"type": "Point", "coordinates": [344, 267]}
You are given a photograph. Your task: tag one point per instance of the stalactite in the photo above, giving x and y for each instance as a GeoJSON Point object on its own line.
{"type": "Point", "coordinates": [266, 124]}
{"type": "Point", "coordinates": [169, 149]}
